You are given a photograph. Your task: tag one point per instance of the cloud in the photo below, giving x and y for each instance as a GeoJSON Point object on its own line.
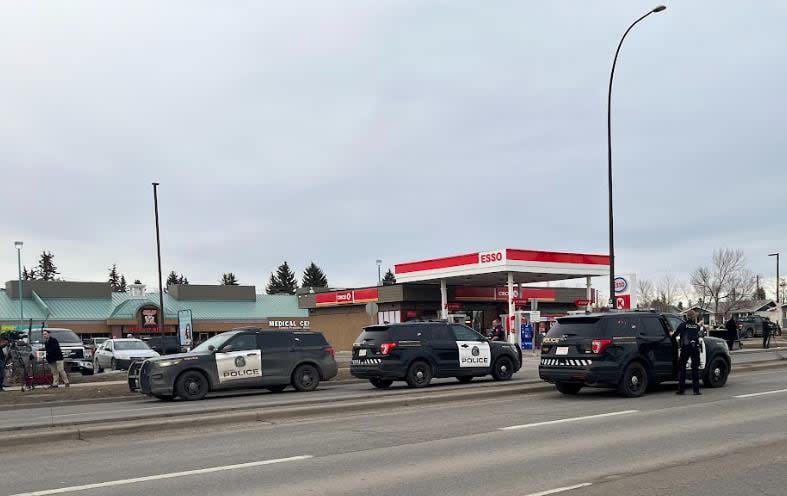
{"type": "Point", "coordinates": [342, 133]}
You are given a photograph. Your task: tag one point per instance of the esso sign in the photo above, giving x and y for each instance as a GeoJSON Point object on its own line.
{"type": "Point", "coordinates": [621, 284]}
{"type": "Point", "coordinates": [490, 257]}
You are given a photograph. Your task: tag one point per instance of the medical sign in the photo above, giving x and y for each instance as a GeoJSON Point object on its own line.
{"type": "Point", "coordinates": [621, 284]}
{"type": "Point", "coordinates": [239, 365]}
{"type": "Point", "coordinates": [473, 354]}
{"type": "Point", "coordinates": [185, 328]}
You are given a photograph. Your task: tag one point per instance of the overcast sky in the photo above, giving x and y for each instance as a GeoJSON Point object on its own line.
{"type": "Point", "coordinates": [346, 131]}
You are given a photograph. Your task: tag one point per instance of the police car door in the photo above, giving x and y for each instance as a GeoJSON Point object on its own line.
{"type": "Point", "coordinates": [239, 362]}
{"type": "Point", "coordinates": [474, 351]}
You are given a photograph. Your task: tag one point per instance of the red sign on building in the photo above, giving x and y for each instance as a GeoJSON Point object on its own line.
{"type": "Point", "coordinates": [349, 297]}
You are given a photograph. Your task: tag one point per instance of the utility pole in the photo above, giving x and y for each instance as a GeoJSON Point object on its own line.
{"type": "Point", "coordinates": [160, 286]}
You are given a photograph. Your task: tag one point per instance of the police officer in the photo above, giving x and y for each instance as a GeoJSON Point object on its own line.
{"type": "Point", "coordinates": [766, 334]}
{"type": "Point", "coordinates": [688, 336]}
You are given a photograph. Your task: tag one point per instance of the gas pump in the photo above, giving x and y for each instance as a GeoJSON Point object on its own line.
{"type": "Point", "coordinates": [525, 332]}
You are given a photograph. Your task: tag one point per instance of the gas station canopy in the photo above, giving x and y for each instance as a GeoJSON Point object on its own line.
{"type": "Point", "coordinates": [500, 267]}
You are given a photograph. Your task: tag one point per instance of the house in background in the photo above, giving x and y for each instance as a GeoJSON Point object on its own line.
{"type": "Point", "coordinates": [764, 308]}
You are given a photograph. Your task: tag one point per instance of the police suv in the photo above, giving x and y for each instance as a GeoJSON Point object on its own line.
{"type": "Point", "coordinates": [629, 351]}
{"type": "Point", "coordinates": [238, 359]}
{"type": "Point", "coordinates": [416, 352]}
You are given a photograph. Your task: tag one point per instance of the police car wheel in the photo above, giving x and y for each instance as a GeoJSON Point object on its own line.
{"type": "Point", "coordinates": [503, 369]}
{"type": "Point", "coordinates": [306, 378]}
{"type": "Point", "coordinates": [567, 388]}
{"type": "Point", "coordinates": [419, 374]}
{"type": "Point", "coordinates": [717, 373]}
{"type": "Point", "coordinates": [381, 383]}
{"type": "Point", "coordinates": [276, 389]}
{"type": "Point", "coordinates": [634, 381]}
{"type": "Point", "coordinates": [192, 386]}
{"type": "Point", "coordinates": [464, 379]}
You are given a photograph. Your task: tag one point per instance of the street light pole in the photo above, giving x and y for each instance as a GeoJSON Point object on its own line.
{"type": "Point", "coordinates": [612, 302]}
{"type": "Point", "coordinates": [18, 245]}
{"type": "Point", "coordinates": [778, 299]}
{"type": "Point", "coordinates": [379, 274]}
{"type": "Point", "coordinates": [160, 286]}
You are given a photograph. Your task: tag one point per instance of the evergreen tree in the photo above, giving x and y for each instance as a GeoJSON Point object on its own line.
{"type": "Point", "coordinates": [283, 282]}
{"type": "Point", "coordinates": [314, 277]}
{"type": "Point", "coordinates": [389, 278]}
{"type": "Point", "coordinates": [137, 281]}
{"type": "Point", "coordinates": [229, 279]}
{"type": "Point", "coordinates": [114, 278]}
{"type": "Point", "coordinates": [122, 286]}
{"type": "Point", "coordinates": [183, 280]}
{"type": "Point", "coordinates": [172, 278]}
{"type": "Point", "coordinates": [47, 269]}
{"type": "Point", "coordinates": [28, 275]}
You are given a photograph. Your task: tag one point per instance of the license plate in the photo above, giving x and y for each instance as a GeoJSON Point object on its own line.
{"type": "Point", "coordinates": [561, 350]}
{"type": "Point", "coordinates": [362, 352]}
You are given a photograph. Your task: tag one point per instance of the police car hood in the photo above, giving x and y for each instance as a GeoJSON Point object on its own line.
{"type": "Point", "coordinates": [180, 355]}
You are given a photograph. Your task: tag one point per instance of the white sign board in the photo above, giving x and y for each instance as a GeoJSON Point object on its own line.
{"type": "Point", "coordinates": [474, 354]}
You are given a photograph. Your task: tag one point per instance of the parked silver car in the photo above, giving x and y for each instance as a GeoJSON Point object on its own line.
{"type": "Point", "coordinates": [119, 354]}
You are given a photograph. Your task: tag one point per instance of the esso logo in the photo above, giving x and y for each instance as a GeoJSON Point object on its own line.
{"type": "Point", "coordinates": [621, 284]}
{"type": "Point", "coordinates": [490, 257]}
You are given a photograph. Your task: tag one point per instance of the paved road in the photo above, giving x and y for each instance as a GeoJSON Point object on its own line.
{"type": "Point", "coordinates": [43, 415]}
{"type": "Point", "coordinates": [725, 442]}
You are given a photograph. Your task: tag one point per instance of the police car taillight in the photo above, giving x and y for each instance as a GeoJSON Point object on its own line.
{"type": "Point", "coordinates": [599, 345]}
{"type": "Point", "coordinates": [386, 348]}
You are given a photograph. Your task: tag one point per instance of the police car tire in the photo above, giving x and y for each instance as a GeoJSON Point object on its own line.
{"type": "Point", "coordinates": [306, 378]}
{"type": "Point", "coordinates": [195, 379]}
{"type": "Point", "coordinates": [629, 387]}
{"type": "Point", "coordinates": [568, 388]}
{"type": "Point", "coordinates": [711, 379]}
{"type": "Point", "coordinates": [419, 374]}
{"type": "Point", "coordinates": [503, 369]}
{"type": "Point", "coordinates": [381, 383]}
{"type": "Point", "coordinates": [464, 379]}
{"type": "Point", "coordinates": [276, 389]}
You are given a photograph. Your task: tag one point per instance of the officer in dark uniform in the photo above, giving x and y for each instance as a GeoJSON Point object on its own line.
{"type": "Point", "coordinates": [688, 336]}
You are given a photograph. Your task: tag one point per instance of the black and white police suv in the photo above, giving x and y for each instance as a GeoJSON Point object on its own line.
{"type": "Point", "coordinates": [238, 359]}
{"type": "Point", "coordinates": [418, 351]}
{"type": "Point", "coordinates": [629, 351]}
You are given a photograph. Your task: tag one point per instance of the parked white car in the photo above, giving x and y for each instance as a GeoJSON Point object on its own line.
{"type": "Point", "coordinates": [118, 354]}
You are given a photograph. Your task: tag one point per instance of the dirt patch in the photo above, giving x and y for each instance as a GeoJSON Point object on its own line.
{"type": "Point", "coordinates": [42, 394]}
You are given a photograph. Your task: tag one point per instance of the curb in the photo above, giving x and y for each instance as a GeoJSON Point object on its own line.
{"type": "Point", "coordinates": [262, 415]}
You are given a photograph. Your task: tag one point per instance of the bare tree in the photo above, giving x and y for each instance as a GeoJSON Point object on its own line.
{"type": "Point", "coordinates": [725, 284]}
{"type": "Point", "coordinates": [670, 289]}
{"type": "Point", "coordinates": [645, 293]}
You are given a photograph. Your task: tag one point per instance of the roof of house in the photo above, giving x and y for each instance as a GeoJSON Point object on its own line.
{"type": "Point", "coordinates": [121, 307]}
{"type": "Point", "coordinates": [755, 306]}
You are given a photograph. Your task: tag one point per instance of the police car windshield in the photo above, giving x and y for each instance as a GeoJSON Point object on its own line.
{"type": "Point", "coordinates": [216, 341]}
{"type": "Point", "coordinates": [583, 327]}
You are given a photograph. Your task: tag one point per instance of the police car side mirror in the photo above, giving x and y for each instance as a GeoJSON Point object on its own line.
{"type": "Point", "coordinates": [227, 349]}
{"type": "Point", "coordinates": [211, 348]}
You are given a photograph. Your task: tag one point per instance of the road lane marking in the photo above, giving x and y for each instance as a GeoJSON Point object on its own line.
{"type": "Point", "coordinates": [560, 489]}
{"type": "Point", "coordinates": [752, 395]}
{"type": "Point", "coordinates": [172, 475]}
{"type": "Point", "coordinates": [563, 421]}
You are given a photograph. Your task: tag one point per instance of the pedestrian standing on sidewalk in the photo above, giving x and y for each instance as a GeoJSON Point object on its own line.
{"type": "Point", "coordinates": [54, 357]}
{"type": "Point", "coordinates": [766, 334]}
{"type": "Point", "coordinates": [732, 332]}
{"type": "Point", "coordinates": [688, 336]}
{"type": "Point", "coordinates": [3, 360]}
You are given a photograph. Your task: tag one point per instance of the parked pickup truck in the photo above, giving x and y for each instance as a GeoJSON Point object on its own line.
{"type": "Point", "coordinates": [753, 326]}
{"type": "Point", "coordinates": [73, 350]}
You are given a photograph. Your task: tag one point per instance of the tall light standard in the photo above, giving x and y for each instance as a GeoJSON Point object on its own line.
{"type": "Point", "coordinates": [379, 274]}
{"type": "Point", "coordinates": [18, 245]}
{"type": "Point", "coordinates": [778, 299]}
{"type": "Point", "coordinates": [612, 301]}
{"type": "Point", "coordinates": [160, 287]}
